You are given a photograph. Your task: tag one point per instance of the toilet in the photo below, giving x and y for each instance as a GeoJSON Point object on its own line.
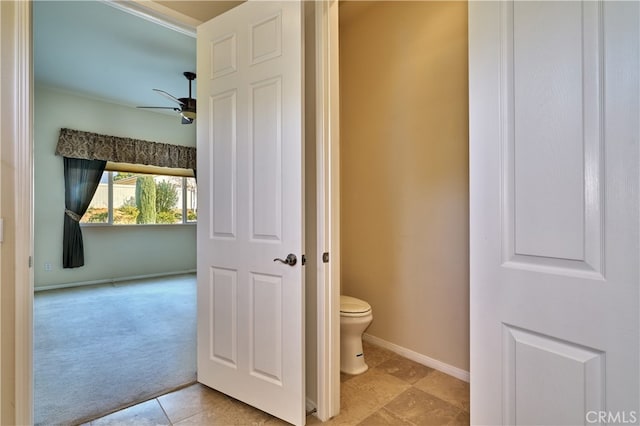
{"type": "Point", "coordinates": [355, 317]}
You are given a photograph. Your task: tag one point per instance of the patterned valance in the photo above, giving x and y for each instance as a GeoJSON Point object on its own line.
{"type": "Point", "coordinates": [93, 146]}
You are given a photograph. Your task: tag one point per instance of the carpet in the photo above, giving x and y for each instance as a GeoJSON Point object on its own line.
{"type": "Point", "coordinates": [102, 348]}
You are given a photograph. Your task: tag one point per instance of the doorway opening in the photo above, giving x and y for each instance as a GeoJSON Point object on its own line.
{"type": "Point", "coordinates": [20, 30]}
{"type": "Point", "coordinates": [93, 64]}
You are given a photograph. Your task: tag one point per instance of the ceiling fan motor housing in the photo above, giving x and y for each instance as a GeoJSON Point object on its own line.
{"type": "Point", "coordinates": [188, 107]}
{"type": "Point", "coordinates": [189, 104]}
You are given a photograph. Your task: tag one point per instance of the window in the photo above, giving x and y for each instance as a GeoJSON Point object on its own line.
{"type": "Point", "coordinates": [125, 198]}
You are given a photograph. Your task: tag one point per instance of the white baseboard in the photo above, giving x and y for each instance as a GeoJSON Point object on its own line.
{"type": "Point", "coordinates": [113, 280]}
{"type": "Point", "coordinates": [456, 372]}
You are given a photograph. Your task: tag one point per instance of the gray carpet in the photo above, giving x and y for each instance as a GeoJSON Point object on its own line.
{"type": "Point", "coordinates": [101, 348]}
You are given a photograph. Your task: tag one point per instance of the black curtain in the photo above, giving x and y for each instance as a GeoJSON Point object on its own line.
{"type": "Point", "coordinates": [81, 179]}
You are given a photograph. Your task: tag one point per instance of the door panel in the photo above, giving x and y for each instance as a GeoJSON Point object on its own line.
{"type": "Point", "coordinates": [554, 211]}
{"type": "Point", "coordinates": [223, 166]}
{"type": "Point", "coordinates": [574, 375]}
{"type": "Point", "coordinates": [250, 308]}
{"type": "Point", "coordinates": [547, 108]}
{"type": "Point", "coordinates": [265, 127]}
{"type": "Point", "coordinates": [223, 317]}
{"type": "Point", "coordinates": [266, 322]}
{"type": "Point", "coordinates": [552, 111]}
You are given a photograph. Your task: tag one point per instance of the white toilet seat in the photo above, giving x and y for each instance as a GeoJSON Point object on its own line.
{"type": "Point", "coordinates": [353, 307]}
{"type": "Point", "coordinates": [355, 315]}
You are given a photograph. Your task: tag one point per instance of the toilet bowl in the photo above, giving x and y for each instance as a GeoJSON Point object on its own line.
{"type": "Point", "coordinates": [355, 317]}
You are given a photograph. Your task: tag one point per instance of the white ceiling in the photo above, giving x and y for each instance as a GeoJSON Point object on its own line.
{"type": "Point", "coordinates": [96, 50]}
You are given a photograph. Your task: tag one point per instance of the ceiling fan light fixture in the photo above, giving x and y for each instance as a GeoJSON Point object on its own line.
{"type": "Point", "coordinates": [189, 114]}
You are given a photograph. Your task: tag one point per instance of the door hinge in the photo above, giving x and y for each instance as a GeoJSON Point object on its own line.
{"type": "Point", "coordinates": [30, 261]}
{"type": "Point", "coordinates": [325, 257]}
{"type": "Point", "coordinates": [304, 259]}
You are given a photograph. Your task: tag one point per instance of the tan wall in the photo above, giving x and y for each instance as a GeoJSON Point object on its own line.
{"type": "Point", "coordinates": [404, 172]}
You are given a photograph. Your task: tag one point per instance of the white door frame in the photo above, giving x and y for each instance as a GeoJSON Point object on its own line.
{"type": "Point", "coordinates": [17, 126]}
{"type": "Point", "coordinates": [328, 207]}
{"type": "Point", "coordinates": [16, 156]}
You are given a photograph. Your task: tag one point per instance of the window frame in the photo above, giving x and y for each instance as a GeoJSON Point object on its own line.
{"type": "Point", "coordinates": [154, 172]}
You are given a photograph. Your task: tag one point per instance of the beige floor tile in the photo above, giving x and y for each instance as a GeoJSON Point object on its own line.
{"type": "Point", "coordinates": [445, 387]}
{"type": "Point", "coordinates": [423, 409]}
{"type": "Point", "coordinates": [404, 369]}
{"type": "Point", "coordinates": [228, 413]}
{"type": "Point", "coordinates": [147, 413]}
{"type": "Point", "coordinates": [378, 386]}
{"type": "Point", "coordinates": [189, 401]}
{"type": "Point", "coordinates": [274, 421]}
{"type": "Point", "coordinates": [375, 355]}
{"type": "Point", "coordinates": [354, 407]}
{"type": "Point", "coordinates": [240, 413]}
{"type": "Point", "coordinates": [384, 417]}
{"type": "Point", "coordinates": [463, 419]}
{"type": "Point", "coordinates": [204, 418]}
{"type": "Point", "coordinates": [344, 377]}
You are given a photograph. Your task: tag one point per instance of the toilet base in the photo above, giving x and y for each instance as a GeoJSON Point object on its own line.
{"type": "Point", "coordinates": [352, 357]}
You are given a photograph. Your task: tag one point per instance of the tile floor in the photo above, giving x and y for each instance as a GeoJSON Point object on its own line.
{"type": "Point", "coordinates": [394, 391]}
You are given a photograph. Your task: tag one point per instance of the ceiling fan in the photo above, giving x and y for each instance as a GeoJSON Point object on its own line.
{"type": "Point", "coordinates": [187, 106]}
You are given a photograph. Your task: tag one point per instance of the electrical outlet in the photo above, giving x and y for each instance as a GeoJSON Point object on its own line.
{"type": "Point", "coordinates": [47, 267]}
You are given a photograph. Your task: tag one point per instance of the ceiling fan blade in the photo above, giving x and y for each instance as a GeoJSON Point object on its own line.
{"type": "Point", "coordinates": [169, 96]}
{"type": "Point", "coordinates": [159, 107]}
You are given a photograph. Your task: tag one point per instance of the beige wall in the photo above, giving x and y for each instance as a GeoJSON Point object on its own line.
{"type": "Point", "coordinates": [404, 172]}
{"type": "Point", "coordinates": [200, 10]}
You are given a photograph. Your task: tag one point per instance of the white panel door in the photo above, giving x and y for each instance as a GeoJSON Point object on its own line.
{"type": "Point", "coordinates": [554, 177]}
{"type": "Point", "coordinates": [250, 183]}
